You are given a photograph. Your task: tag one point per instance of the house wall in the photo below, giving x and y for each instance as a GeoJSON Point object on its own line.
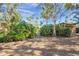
{"type": "Point", "coordinates": [74, 29]}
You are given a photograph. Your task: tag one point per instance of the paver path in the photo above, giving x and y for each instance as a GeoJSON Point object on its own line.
{"type": "Point", "coordinates": [44, 46]}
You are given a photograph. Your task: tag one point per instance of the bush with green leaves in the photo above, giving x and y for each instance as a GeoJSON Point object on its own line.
{"type": "Point", "coordinates": [59, 29]}
{"type": "Point", "coordinates": [31, 29]}
{"type": "Point", "coordinates": [21, 31]}
{"type": "Point", "coordinates": [65, 32]}
{"type": "Point", "coordinates": [46, 30]}
{"type": "Point", "coordinates": [3, 37]}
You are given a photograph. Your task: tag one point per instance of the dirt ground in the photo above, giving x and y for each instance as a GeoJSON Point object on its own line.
{"type": "Point", "coordinates": [44, 46]}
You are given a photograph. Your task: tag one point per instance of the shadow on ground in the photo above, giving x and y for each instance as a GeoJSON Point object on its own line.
{"type": "Point", "coordinates": [50, 46]}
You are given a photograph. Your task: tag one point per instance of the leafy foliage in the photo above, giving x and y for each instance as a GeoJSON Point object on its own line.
{"type": "Point", "coordinates": [61, 31]}
{"type": "Point", "coordinates": [21, 31]}
{"type": "Point", "coordinates": [69, 6]}
{"type": "Point", "coordinates": [31, 29]}
{"type": "Point", "coordinates": [47, 11]}
{"type": "Point", "coordinates": [46, 30]}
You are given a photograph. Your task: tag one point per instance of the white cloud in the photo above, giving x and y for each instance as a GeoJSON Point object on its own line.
{"type": "Point", "coordinates": [25, 11]}
{"type": "Point", "coordinates": [35, 4]}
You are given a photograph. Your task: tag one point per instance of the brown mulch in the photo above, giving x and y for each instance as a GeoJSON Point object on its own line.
{"type": "Point", "coordinates": [44, 46]}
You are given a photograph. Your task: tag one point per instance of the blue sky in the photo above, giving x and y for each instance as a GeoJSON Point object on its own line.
{"type": "Point", "coordinates": [30, 9]}
{"type": "Point", "coordinates": [27, 10]}
{"type": "Point", "coordinates": [33, 9]}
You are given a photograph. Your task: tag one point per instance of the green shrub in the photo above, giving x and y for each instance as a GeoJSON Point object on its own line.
{"type": "Point", "coordinates": [20, 31]}
{"type": "Point", "coordinates": [66, 32]}
{"type": "Point", "coordinates": [2, 37]}
{"type": "Point", "coordinates": [17, 33]}
{"type": "Point", "coordinates": [32, 30]}
{"type": "Point", "coordinates": [59, 31]}
{"type": "Point", "coordinates": [46, 30]}
{"type": "Point", "coordinates": [16, 36]}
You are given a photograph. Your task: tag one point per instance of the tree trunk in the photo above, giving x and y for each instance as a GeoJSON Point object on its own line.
{"type": "Point", "coordinates": [54, 29]}
{"type": "Point", "coordinates": [65, 23]}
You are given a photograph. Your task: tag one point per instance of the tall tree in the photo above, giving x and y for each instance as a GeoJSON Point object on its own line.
{"type": "Point", "coordinates": [12, 16]}
{"type": "Point", "coordinates": [68, 6]}
{"type": "Point", "coordinates": [51, 11]}
{"type": "Point", "coordinates": [46, 11]}
{"type": "Point", "coordinates": [71, 6]}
